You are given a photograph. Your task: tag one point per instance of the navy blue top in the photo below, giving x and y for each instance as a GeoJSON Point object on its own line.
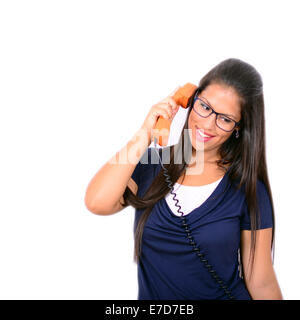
{"type": "Point", "coordinates": [169, 269]}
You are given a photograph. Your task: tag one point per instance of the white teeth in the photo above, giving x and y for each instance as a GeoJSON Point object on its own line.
{"type": "Point", "coordinates": [202, 134]}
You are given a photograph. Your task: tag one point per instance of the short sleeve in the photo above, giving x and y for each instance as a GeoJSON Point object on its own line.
{"type": "Point", "coordinates": [265, 207]}
{"type": "Point", "coordinates": [139, 169]}
{"type": "Point", "coordinates": [145, 169]}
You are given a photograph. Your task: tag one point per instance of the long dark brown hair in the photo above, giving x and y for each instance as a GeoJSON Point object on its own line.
{"type": "Point", "coordinates": [244, 157]}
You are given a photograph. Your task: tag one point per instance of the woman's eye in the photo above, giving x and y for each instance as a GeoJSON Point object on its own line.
{"type": "Point", "coordinates": [226, 119]}
{"type": "Point", "coordinates": [205, 107]}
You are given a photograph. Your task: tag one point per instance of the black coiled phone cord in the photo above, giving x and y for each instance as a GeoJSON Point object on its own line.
{"type": "Point", "coordinates": [195, 249]}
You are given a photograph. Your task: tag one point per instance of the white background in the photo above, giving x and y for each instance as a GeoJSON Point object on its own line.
{"type": "Point", "coordinates": [77, 79]}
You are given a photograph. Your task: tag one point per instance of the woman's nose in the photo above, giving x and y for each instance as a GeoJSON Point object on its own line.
{"type": "Point", "coordinates": [210, 121]}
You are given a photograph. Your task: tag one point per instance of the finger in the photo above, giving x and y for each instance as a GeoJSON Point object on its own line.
{"type": "Point", "coordinates": [167, 106]}
{"type": "Point", "coordinates": [173, 92]}
{"type": "Point", "coordinates": [167, 111]}
{"type": "Point", "coordinates": [161, 113]}
{"type": "Point", "coordinates": [172, 103]}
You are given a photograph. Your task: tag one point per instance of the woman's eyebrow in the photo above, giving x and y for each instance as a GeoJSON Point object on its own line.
{"type": "Point", "coordinates": [205, 100]}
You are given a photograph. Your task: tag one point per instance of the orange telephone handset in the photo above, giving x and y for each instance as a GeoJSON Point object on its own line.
{"type": "Point", "coordinates": [181, 98]}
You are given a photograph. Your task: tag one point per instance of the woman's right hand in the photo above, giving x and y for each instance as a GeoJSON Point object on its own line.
{"type": "Point", "coordinates": [166, 108]}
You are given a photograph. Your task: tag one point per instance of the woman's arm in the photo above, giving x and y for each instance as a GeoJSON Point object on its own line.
{"type": "Point", "coordinates": [105, 191]}
{"type": "Point", "coordinates": [263, 285]}
{"type": "Point", "coordinates": [107, 187]}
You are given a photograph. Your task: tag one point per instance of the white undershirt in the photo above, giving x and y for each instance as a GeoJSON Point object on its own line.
{"type": "Point", "coordinates": [189, 197]}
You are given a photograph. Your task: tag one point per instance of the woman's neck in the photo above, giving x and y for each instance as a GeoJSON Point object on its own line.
{"type": "Point", "coordinates": [202, 158]}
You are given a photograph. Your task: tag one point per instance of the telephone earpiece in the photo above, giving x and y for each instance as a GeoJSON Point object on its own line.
{"type": "Point", "coordinates": [181, 97]}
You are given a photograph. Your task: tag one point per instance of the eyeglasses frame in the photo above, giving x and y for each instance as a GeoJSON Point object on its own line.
{"type": "Point", "coordinates": [217, 114]}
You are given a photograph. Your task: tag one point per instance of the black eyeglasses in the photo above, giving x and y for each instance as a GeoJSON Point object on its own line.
{"type": "Point", "coordinates": [222, 121]}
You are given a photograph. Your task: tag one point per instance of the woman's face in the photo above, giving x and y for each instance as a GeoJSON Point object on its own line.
{"type": "Point", "coordinates": [224, 100]}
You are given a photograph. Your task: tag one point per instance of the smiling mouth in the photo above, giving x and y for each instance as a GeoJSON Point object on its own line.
{"type": "Point", "coordinates": [202, 133]}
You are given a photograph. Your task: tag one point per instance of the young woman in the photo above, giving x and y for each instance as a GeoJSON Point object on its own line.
{"type": "Point", "coordinates": [216, 242]}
